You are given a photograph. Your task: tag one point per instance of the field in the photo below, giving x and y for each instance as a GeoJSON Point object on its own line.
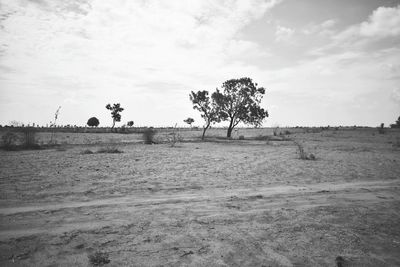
{"type": "Point", "coordinates": [221, 202]}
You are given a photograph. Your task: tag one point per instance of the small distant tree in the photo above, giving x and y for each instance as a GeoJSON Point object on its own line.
{"type": "Point", "coordinates": [239, 101]}
{"type": "Point", "coordinates": [93, 122]}
{"type": "Point", "coordinates": [202, 102]}
{"type": "Point", "coordinates": [189, 121]}
{"type": "Point", "coordinates": [115, 112]}
{"type": "Point", "coordinates": [129, 123]}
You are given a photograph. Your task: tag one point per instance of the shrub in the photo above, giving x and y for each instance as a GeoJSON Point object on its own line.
{"type": "Point", "coordinates": [99, 258]}
{"type": "Point", "coordinates": [241, 137]}
{"type": "Point", "coordinates": [9, 140]}
{"type": "Point", "coordinates": [148, 136]}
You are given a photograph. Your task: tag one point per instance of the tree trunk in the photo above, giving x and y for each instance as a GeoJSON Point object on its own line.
{"type": "Point", "coordinates": [204, 131]}
{"type": "Point", "coordinates": [112, 127]}
{"type": "Point", "coordinates": [229, 133]}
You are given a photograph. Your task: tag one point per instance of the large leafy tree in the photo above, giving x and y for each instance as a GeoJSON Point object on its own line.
{"type": "Point", "coordinates": [239, 101]}
{"type": "Point", "coordinates": [115, 112]}
{"type": "Point", "coordinates": [202, 102]}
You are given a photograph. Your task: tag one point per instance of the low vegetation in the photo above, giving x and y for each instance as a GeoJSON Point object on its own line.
{"type": "Point", "coordinates": [109, 149]}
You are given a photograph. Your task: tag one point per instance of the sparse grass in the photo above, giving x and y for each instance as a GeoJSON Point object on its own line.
{"type": "Point", "coordinates": [110, 150]}
{"type": "Point", "coordinates": [302, 153]}
{"type": "Point", "coordinates": [99, 258]}
{"type": "Point", "coordinates": [61, 148]}
{"type": "Point", "coordinates": [396, 144]}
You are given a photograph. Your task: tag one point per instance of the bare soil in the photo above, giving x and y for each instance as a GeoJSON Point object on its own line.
{"type": "Point", "coordinates": [215, 203]}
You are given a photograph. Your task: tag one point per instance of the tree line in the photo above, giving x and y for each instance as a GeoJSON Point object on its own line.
{"type": "Point", "coordinates": [238, 101]}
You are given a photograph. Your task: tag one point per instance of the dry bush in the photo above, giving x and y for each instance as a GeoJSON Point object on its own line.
{"type": "Point", "coordinates": [302, 153]}
{"type": "Point", "coordinates": [173, 138]}
{"type": "Point", "coordinates": [99, 258]}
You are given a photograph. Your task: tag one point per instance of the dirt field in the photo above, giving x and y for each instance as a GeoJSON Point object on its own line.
{"type": "Point", "coordinates": [214, 203]}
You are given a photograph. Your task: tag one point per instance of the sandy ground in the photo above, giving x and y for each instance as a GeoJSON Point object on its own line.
{"type": "Point", "coordinates": [216, 203]}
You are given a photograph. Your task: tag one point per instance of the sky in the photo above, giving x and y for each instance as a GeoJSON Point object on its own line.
{"type": "Point", "coordinates": [322, 62]}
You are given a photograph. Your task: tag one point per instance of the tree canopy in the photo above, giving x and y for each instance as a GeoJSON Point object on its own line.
{"type": "Point", "coordinates": [93, 121]}
{"type": "Point", "coordinates": [239, 101]}
{"type": "Point", "coordinates": [202, 102]}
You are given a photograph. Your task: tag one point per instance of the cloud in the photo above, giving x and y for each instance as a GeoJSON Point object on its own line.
{"type": "Point", "coordinates": [283, 34]}
{"type": "Point", "coordinates": [324, 28]}
{"type": "Point", "coordinates": [380, 31]}
{"type": "Point", "coordinates": [395, 95]}
{"type": "Point", "coordinates": [384, 22]}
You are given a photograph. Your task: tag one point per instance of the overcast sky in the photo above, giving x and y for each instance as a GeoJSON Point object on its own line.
{"type": "Point", "coordinates": [322, 62]}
